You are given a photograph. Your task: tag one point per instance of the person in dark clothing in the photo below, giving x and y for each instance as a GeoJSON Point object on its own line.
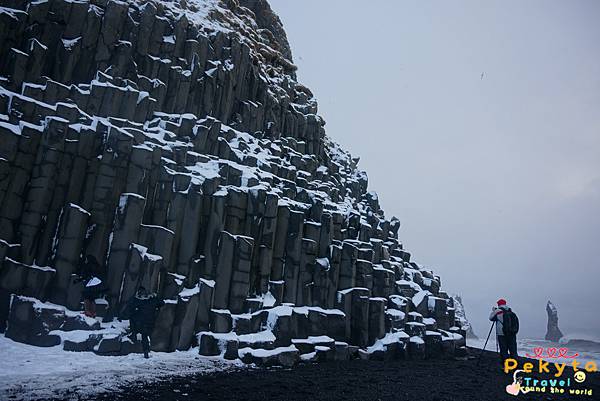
{"type": "Point", "coordinates": [507, 340]}
{"type": "Point", "coordinates": [142, 310]}
{"type": "Point", "coordinates": [93, 286]}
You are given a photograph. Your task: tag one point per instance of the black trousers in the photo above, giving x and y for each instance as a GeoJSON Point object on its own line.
{"type": "Point", "coordinates": [145, 332]}
{"type": "Point", "coordinates": [508, 346]}
{"type": "Point", "coordinates": [145, 341]}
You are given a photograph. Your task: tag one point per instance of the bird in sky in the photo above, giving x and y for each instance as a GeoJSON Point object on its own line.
{"type": "Point", "coordinates": [482, 75]}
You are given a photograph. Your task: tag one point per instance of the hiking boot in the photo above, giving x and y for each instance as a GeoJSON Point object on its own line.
{"type": "Point", "coordinates": [146, 355]}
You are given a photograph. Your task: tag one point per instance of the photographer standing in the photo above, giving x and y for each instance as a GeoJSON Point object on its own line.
{"type": "Point", "coordinates": [507, 327]}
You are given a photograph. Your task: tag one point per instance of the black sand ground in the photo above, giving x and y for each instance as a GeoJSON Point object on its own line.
{"type": "Point", "coordinates": [435, 380]}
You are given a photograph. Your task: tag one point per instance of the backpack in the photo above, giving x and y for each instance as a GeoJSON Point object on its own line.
{"type": "Point", "coordinates": [510, 323]}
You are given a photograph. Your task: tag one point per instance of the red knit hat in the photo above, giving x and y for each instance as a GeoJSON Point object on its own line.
{"type": "Point", "coordinates": [501, 302]}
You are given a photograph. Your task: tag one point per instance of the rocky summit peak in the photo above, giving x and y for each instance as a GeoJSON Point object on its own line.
{"type": "Point", "coordinates": [171, 142]}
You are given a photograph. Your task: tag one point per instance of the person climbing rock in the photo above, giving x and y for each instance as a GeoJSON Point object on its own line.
{"type": "Point", "coordinates": [142, 310]}
{"type": "Point", "coordinates": [507, 327]}
{"type": "Point", "coordinates": [92, 287]}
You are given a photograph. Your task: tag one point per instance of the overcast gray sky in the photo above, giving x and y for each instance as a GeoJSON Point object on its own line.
{"type": "Point", "coordinates": [496, 180]}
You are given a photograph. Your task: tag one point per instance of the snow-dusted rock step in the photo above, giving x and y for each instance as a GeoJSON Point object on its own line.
{"type": "Point", "coordinates": [33, 322]}
{"type": "Point", "coordinates": [109, 341]}
{"type": "Point", "coordinates": [281, 356]}
{"type": "Point", "coordinates": [307, 345]}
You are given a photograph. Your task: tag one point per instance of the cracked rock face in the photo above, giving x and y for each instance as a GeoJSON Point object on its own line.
{"type": "Point", "coordinates": [171, 142]}
{"type": "Point", "coordinates": [267, 19]}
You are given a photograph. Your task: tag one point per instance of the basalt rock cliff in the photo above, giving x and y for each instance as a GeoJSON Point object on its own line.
{"type": "Point", "coordinates": [172, 142]}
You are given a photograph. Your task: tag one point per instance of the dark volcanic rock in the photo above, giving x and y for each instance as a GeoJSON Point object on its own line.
{"type": "Point", "coordinates": [267, 19]}
{"type": "Point", "coordinates": [553, 333]}
{"type": "Point", "coordinates": [172, 142]}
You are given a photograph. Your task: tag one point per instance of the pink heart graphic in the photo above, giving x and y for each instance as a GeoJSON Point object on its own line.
{"type": "Point", "coordinates": [537, 353]}
{"type": "Point", "coordinates": [513, 389]}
